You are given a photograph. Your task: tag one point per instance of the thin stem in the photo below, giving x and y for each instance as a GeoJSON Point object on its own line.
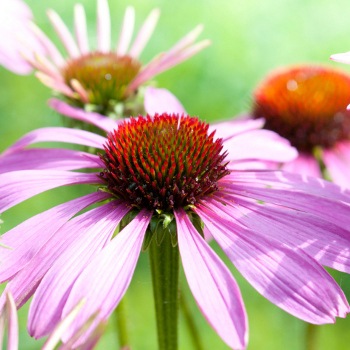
{"type": "Point", "coordinates": [121, 324]}
{"type": "Point", "coordinates": [196, 340]}
{"type": "Point", "coordinates": [164, 259]}
{"type": "Point", "coordinates": [311, 337]}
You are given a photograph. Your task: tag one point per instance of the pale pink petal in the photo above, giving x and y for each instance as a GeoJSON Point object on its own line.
{"type": "Point", "coordinates": [57, 85]}
{"type": "Point", "coordinates": [161, 101]}
{"type": "Point", "coordinates": [144, 34]}
{"type": "Point", "coordinates": [323, 240]}
{"type": "Point", "coordinates": [25, 240]}
{"type": "Point", "coordinates": [51, 49]}
{"type": "Point", "coordinates": [42, 64]}
{"type": "Point", "coordinates": [47, 158]}
{"type": "Point", "coordinates": [80, 28]}
{"type": "Point", "coordinates": [53, 290]}
{"type": "Point", "coordinates": [337, 161]}
{"type": "Point", "coordinates": [96, 119]}
{"type": "Point", "coordinates": [164, 61]}
{"type": "Point", "coordinates": [215, 290]}
{"type": "Point", "coordinates": [304, 164]}
{"type": "Point", "coordinates": [79, 89]}
{"type": "Point", "coordinates": [63, 33]}
{"type": "Point", "coordinates": [105, 280]}
{"type": "Point", "coordinates": [17, 186]}
{"type": "Point", "coordinates": [253, 165]}
{"type": "Point", "coordinates": [230, 128]}
{"type": "Point", "coordinates": [187, 40]}
{"type": "Point", "coordinates": [126, 31]}
{"type": "Point", "coordinates": [341, 57]}
{"type": "Point", "coordinates": [57, 134]}
{"type": "Point", "coordinates": [55, 337]}
{"type": "Point", "coordinates": [11, 310]}
{"type": "Point", "coordinates": [25, 282]}
{"type": "Point", "coordinates": [259, 144]}
{"type": "Point", "coordinates": [103, 26]}
{"type": "Point", "coordinates": [286, 276]}
{"type": "Point", "coordinates": [15, 19]}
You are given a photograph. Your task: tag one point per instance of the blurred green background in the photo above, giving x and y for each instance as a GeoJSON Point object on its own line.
{"type": "Point", "coordinates": [249, 38]}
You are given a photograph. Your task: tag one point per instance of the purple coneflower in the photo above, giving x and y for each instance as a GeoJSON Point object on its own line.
{"type": "Point", "coordinates": [15, 21]}
{"type": "Point", "coordinates": [306, 104]}
{"type": "Point", "coordinates": [164, 182]}
{"type": "Point", "coordinates": [100, 79]}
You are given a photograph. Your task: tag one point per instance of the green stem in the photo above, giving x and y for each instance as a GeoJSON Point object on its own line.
{"type": "Point", "coordinates": [311, 337]}
{"type": "Point", "coordinates": [196, 340]}
{"type": "Point", "coordinates": [164, 259]}
{"type": "Point", "coordinates": [121, 323]}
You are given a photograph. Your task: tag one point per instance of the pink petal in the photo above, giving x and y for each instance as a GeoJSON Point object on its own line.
{"type": "Point", "coordinates": [51, 49]}
{"type": "Point", "coordinates": [260, 144]}
{"type": "Point", "coordinates": [55, 84]}
{"type": "Point", "coordinates": [25, 240]}
{"type": "Point", "coordinates": [63, 33]}
{"type": "Point", "coordinates": [80, 28]}
{"type": "Point", "coordinates": [53, 290]}
{"type": "Point", "coordinates": [286, 276]}
{"type": "Point", "coordinates": [341, 57]}
{"type": "Point", "coordinates": [16, 37]}
{"type": "Point", "coordinates": [161, 101]}
{"type": "Point", "coordinates": [323, 240]}
{"type": "Point", "coordinates": [212, 285]}
{"type": "Point", "coordinates": [25, 282]}
{"type": "Point", "coordinates": [11, 310]}
{"type": "Point", "coordinates": [292, 191]}
{"type": "Point", "coordinates": [96, 119]}
{"type": "Point", "coordinates": [337, 161]}
{"type": "Point", "coordinates": [105, 280]}
{"type": "Point", "coordinates": [304, 164]}
{"type": "Point", "coordinates": [57, 134]}
{"type": "Point", "coordinates": [241, 124]}
{"type": "Point", "coordinates": [17, 186]}
{"type": "Point", "coordinates": [126, 31]}
{"type": "Point", "coordinates": [47, 158]}
{"type": "Point", "coordinates": [144, 34]}
{"type": "Point", "coordinates": [103, 26]}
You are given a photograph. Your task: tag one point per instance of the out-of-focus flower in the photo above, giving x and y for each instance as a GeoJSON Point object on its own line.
{"type": "Point", "coordinates": [106, 79]}
{"type": "Point", "coordinates": [15, 21]}
{"type": "Point", "coordinates": [170, 171]}
{"type": "Point", "coordinates": [307, 105]}
{"type": "Point", "coordinates": [341, 57]}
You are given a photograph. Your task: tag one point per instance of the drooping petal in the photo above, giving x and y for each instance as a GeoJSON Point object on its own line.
{"type": "Point", "coordinates": [57, 134]}
{"type": "Point", "coordinates": [17, 186]}
{"type": "Point", "coordinates": [103, 26]}
{"type": "Point", "coordinates": [212, 285]}
{"type": "Point", "coordinates": [323, 240]}
{"type": "Point", "coordinates": [53, 290]}
{"type": "Point", "coordinates": [55, 84]}
{"type": "Point", "coordinates": [304, 164]}
{"type": "Point", "coordinates": [12, 320]}
{"type": "Point", "coordinates": [337, 161]}
{"type": "Point", "coordinates": [292, 191]}
{"type": "Point", "coordinates": [144, 34]}
{"type": "Point", "coordinates": [63, 33]}
{"type": "Point", "coordinates": [96, 119]}
{"type": "Point", "coordinates": [161, 101]}
{"type": "Point", "coordinates": [126, 31]}
{"type": "Point", "coordinates": [24, 241]}
{"type": "Point", "coordinates": [286, 276]}
{"type": "Point", "coordinates": [260, 144]}
{"type": "Point", "coordinates": [105, 280]}
{"type": "Point", "coordinates": [25, 282]}
{"type": "Point", "coordinates": [47, 158]}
